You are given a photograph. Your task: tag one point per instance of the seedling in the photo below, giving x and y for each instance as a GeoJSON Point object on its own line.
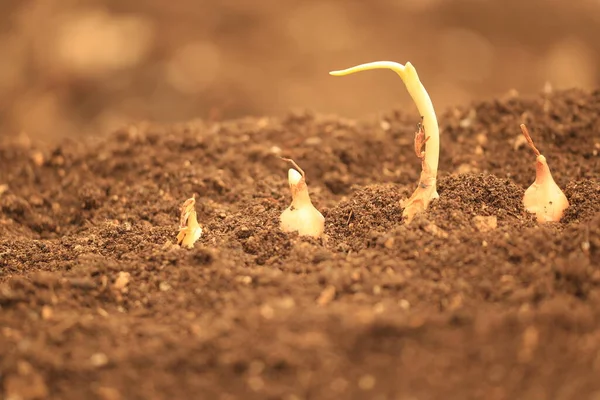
{"type": "Point", "coordinates": [426, 189]}
{"type": "Point", "coordinates": [189, 229]}
{"type": "Point", "coordinates": [301, 216]}
{"type": "Point", "coordinates": [543, 198]}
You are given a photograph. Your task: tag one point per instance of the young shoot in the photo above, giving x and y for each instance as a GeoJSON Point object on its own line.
{"type": "Point", "coordinates": [301, 216]}
{"type": "Point", "coordinates": [189, 229]}
{"type": "Point", "coordinates": [543, 198]}
{"type": "Point", "coordinates": [426, 189]}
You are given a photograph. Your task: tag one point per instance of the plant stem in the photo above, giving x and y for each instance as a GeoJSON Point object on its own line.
{"type": "Point", "coordinates": [426, 189]}
{"type": "Point", "coordinates": [417, 92]}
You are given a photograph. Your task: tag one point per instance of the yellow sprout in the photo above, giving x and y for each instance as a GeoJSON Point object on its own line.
{"type": "Point", "coordinates": [426, 189]}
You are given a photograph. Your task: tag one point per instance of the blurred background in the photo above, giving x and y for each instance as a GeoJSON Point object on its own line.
{"type": "Point", "coordinates": [86, 67]}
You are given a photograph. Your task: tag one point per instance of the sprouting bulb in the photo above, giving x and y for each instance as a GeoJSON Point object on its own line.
{"type": "Point", "coordinates": [543, 198]}
{"type": "Point", "coordinates": [301, 216]}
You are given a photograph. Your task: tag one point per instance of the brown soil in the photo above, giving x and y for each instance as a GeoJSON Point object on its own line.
{"type": "Point", "coordinates": [442, 308]}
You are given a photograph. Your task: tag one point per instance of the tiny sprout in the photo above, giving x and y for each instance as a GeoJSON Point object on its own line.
{"type": "Point", "coordinates": [426, 189]}
{"type": "Point", "coordinates": [301, 216]}
{"type": "Point", "coordinates": [543, 198]}
{"type": "Point", "coordinates": [189, 229]}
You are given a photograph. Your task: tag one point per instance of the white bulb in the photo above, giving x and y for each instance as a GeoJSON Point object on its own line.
{"type": "Point", "coordinates": [301, 216]}
{"type": "Point", "coordinates": [294, 176]}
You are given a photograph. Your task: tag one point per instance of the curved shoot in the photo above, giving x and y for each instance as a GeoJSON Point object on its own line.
{"type": "Point", "coordinates": [426, 190]}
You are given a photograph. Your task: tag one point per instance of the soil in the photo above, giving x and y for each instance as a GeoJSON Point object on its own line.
{"type": "Point", "coordinates": [96, 300]}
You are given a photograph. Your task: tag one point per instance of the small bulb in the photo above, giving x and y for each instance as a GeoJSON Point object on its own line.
{"type": "Point", "coordinates": [189, 229]}
{"type": "Point", "coordinates": [301, 216]}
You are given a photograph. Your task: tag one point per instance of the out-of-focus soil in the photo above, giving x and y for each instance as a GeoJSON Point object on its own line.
{"type": "Point", "coordinates": [96, 300]}
{"type": "Point", "coordinates": [72, 68]}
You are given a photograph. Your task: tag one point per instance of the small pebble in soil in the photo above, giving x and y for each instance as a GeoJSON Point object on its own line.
{"type": "Point", "coordinates": [47, 313]}
{"type": "Point", "coordinates": [339, 385]}
{"type": "Point", "coordinates": [404, 304]}
{"type": "Point", "coordinates": [108, 393]}
{"type": "Point", "coordinates": [82, 283]}
{"type": "Point", "coordinates": [256, 383]}
{"type": "Point", "coordinates": [267, 311]}
{"type": "Point", "coordinates": [485, 223]}
{"type": "Point", "coordinates": [99, 360]}
{"type": "Point", "coordinates": [366, 382]}
{"type": "Point", "coordinates": [122, 281]}
{"type": "Point", "coordinates": [326, 296]}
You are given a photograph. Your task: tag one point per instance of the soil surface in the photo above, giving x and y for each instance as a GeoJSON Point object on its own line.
{"type": "Point", "coordinates": [472, 300]}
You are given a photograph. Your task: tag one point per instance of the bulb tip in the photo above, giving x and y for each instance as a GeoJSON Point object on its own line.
{"type": "Point", "coordinates": [541, 160]}
{"type": "Point", "coordinates": [294, 176]}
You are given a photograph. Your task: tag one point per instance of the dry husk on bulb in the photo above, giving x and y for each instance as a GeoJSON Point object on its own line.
{"type": "Point", "coordinates": [426, 190]}
{"type": "Point", "coordinates": [301, 216]}
{"type": "Point", "coordinates": [189, 229]}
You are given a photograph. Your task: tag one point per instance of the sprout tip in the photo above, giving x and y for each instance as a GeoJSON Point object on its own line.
{"type": "Point", "coordinates": [294, 177]}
